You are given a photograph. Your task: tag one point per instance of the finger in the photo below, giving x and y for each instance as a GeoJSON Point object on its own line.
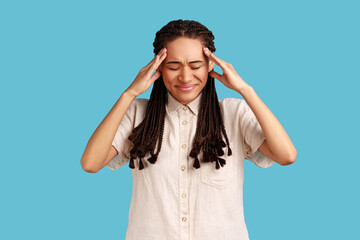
{"type": "Point", "coordinates": [154, 59]}
{"type": "Point", "coordinates": [149, 64]}
{"type": "Point", "coordinates": [157, 62]}
{"type": "Point", "coordinates": [212, 56]}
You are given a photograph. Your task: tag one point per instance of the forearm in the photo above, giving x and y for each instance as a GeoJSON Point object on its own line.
{"type": "Point", "coordinates": [100, 142]}
{"type": "Point", "coordinates": [277, 139]}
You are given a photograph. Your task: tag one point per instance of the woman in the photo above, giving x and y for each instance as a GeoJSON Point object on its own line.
{"type": "Point", "coordinates": [185, 148]}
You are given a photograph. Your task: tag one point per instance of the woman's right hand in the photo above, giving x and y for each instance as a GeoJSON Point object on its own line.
{"type": "Point", "coordinates": [144, 79]}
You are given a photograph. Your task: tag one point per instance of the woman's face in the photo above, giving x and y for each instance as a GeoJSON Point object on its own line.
{"type": "Point", "coordinates": [185, 69]}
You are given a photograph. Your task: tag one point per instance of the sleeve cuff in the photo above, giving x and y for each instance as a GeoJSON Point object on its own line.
{"type": "Point", "coordinates": [118, 161]}
{"type": "Point", "coordinates": [258, 157]}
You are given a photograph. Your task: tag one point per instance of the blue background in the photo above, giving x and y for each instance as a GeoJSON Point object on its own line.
{"type": "Point", "coordinates": [63, 64]}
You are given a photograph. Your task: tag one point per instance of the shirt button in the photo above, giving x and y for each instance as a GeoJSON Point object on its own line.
{"type": "Point", "coordinates": [184, 219]}
{"type": "Point", "coordinates": [184, 122]}
{"type": "Point", "coordinates": [184, 108]}
{"type": "Point", "coordinates": [184, 195]}
{"type": "Point", "coordinates": [183, 146]}
{"type": "Point", "coordinates": [182, 168]}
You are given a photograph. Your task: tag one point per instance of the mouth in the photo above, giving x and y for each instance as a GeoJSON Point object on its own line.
{"type": "Point", "coordinates": [186, 88]}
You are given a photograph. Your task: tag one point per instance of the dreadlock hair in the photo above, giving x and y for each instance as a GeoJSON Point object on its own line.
{"type": "Point", "coordinates": [210, 127]}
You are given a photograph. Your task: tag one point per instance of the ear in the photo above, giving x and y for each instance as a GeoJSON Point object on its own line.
{"type": "Point", "coordinates": [211, 65]}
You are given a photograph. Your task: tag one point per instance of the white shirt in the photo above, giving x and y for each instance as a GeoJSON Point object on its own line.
{"type": "Point", "coordinates": [171, 200]}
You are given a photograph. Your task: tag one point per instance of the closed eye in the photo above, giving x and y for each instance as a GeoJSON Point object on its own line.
{"type": "Point", "coordinates": [178, 68]}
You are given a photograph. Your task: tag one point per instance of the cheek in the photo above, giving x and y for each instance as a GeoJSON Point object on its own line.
{"type": "Point", "coordinates": [166, 80]}
{"type": "Point", "coordinates": [168, 77]}
{"type": "Point", "coordinates": [165, 77]}
{"type": "Point", "coordinates": [165, 74]}
{"type": "Point", "coordinates": [204, 74]}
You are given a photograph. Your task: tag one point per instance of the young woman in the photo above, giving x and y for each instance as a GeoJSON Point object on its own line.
{"type": "Point", "coordinates": [186, 149]}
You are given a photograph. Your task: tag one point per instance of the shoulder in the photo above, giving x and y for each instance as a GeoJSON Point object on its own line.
{"type": "Point", "coordinates": [232, 111]}
{"type": "Point", "coordinates": [140, 101]}
{"type": "Point", "coordinates": [235, 109]}
{"type": "Point", "coordinates": [232, 104]}
{"type": "Point", "coordinates": [136, 111]}
{"type": "Point", "coordinates": [138, 105]}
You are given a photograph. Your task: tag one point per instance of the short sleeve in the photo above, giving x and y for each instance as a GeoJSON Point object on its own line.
{"type": "Point", "coordinates": [121, 142]}
{"type": "Point", "coordinates": [253, 137]}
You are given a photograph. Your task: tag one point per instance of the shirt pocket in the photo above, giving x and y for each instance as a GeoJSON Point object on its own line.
{"type": "Point", "coordinates": [221, 177]}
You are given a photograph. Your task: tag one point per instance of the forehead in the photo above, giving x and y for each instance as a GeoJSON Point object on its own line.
{"type": "Point", "coordinates": [185, 50]}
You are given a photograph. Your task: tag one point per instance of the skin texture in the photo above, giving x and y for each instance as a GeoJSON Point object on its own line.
{"type": "Point", "coordinates": [277, 145]}
{"type": "Point", "coordinates": [184, 73]}
{"type": "Point", "coordinates": [99, 150]}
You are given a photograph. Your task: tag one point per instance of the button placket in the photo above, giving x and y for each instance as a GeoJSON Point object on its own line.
{"type": "Point", "coordinates": [183, 175]}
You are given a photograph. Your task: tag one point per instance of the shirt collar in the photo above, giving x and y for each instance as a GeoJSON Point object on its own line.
{"type": "Point", "coordinates": [174, 105]}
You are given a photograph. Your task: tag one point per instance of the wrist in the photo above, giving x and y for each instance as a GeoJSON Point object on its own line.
{"type": "Point", "coordinates": [245, 90]}
{"type": "Point", "coordinates": [129, 94]}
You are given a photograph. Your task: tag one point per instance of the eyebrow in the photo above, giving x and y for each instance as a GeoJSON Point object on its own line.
{"type": "Point", "coordinates": [177, 62]}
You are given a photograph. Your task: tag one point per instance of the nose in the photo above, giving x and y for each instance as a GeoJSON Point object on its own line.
{"type": "Point", "coordinates": [185, 74]}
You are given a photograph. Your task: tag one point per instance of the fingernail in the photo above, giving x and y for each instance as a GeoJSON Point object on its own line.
{"type": "Point", "coordinates": [206, 49]}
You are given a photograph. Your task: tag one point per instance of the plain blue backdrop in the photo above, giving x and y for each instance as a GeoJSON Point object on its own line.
{"type": "Point", "coordinates": [63, 65]}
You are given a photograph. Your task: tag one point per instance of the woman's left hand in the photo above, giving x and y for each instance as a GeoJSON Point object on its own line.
{"type": "Point", "coordinates": [230, 78]}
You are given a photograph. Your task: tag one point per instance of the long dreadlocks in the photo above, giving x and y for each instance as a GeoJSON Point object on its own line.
{"type": "Point", "coordinates": [210, 127]}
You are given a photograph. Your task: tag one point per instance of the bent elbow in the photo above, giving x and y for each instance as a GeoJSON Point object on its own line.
{"type": "Point", "coordinates": [87, 168]}
{"type": "Point", "coordinates": [290, 159]}
{"type": "Point", "coordinates": [90, 170]}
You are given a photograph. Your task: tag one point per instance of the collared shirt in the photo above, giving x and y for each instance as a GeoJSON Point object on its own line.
{"type": "Point", "coordinates": [171, 200]}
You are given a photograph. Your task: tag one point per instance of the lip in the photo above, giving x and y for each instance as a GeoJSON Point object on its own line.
{"type": "Point", "coordinates": [187, 87]}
